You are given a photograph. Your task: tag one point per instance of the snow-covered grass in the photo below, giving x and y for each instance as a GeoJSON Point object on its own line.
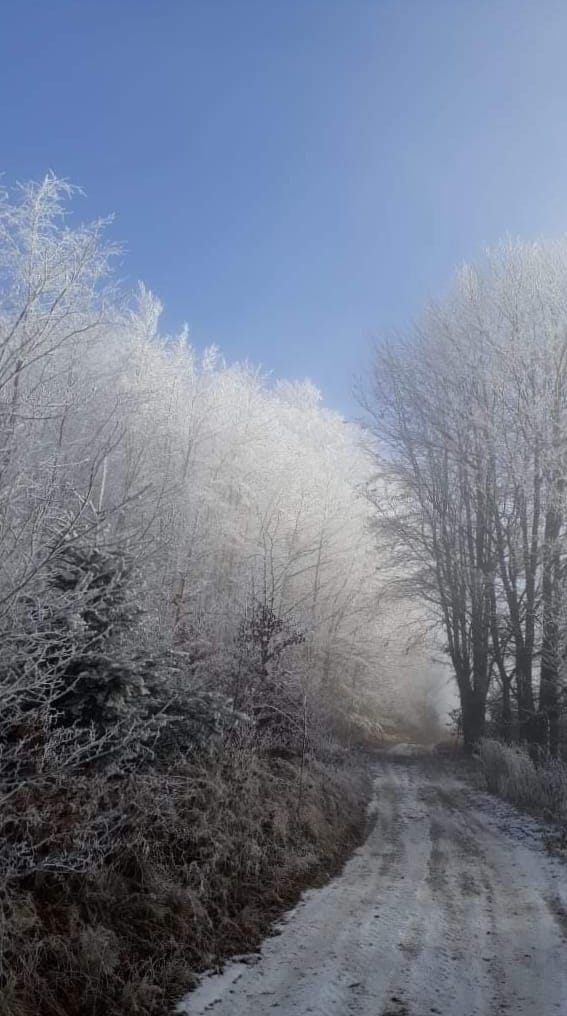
{"type": "Point", "coordinates": [511, 773]}
{"type": "Point", "coordinates": [201, 857]}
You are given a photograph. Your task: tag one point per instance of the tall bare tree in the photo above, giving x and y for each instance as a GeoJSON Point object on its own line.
{"type": "Point", "coordinates": [469, 415]}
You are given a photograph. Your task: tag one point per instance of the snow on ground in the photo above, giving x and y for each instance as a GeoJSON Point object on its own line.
{"type": "Point", "coordinates": [407, 750]}
{"type": "Point", "coordinates": [452, 907]}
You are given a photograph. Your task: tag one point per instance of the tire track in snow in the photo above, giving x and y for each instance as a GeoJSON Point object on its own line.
{"type": "Point", "coordinates": [451, 907]}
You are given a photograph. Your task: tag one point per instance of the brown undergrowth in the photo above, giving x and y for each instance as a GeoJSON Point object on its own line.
{"type": "Point", "coordinates": [198, 861]}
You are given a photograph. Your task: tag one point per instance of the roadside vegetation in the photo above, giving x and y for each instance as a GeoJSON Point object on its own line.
{"type": "Point", "coordinates": [139, 882]}
{"type": "Point", "coordinates": [537, 787]}
{"type": "Point", "coordinates": [193, 639]}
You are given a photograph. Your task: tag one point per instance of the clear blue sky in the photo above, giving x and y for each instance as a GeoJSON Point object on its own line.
{"type": "Point", "coordinates": [293, 177]}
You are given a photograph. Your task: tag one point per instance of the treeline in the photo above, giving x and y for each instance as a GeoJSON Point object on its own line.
{"type": "Point", "coordinates": [171, 527]}
{"type": "Point", "coordinates": [191, 634]}
{"type": "Point", "coordinates": [469, 412]}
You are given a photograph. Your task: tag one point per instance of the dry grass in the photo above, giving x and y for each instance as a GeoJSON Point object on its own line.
{"type": "Point", "coordinates": [511, 773]}
{"type": "Point", "coordinates": [203, 857]}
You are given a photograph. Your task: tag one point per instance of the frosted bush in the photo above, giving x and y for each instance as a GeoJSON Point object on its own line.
{"type": "Point", "coordinates": [512, 774]}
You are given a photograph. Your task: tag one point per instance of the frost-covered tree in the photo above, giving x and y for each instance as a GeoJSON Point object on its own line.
{"type": "Point", "coordinates": [469, 412]}
{"type": "Point", "coordinates": [161, 511]}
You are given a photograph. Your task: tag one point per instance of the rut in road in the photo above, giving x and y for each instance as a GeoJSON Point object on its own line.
{"type": "Point", "coordinates": [452, 907]}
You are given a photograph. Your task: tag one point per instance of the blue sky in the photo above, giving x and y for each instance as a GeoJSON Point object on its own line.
{"type": "Point", "coordinates": [294, 177]}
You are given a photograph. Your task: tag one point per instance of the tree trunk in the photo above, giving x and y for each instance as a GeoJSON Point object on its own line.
{"type": "Point", "coordinates": [473, 705]}
{"type": "Point", "coordinates": [505, 725]}
{"type": "Point", "coordinates": [549, 715]}
{"type": "Point", "coordinates": [526, 707]}
{"type": "Point", "coordinates": [548, 727]}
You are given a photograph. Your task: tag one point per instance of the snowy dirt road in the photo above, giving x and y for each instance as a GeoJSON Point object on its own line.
{"type": "Point", "coordinates": [451, 907]}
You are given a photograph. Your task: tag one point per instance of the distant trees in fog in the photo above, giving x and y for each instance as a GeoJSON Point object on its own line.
{"type": "Point", "coordinates": [469, 412]}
